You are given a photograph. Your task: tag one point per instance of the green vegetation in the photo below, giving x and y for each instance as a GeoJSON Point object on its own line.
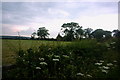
{"type": "Point", "coordinates": [35, 59]}
{"type": "Point", "coordinates": [88, 54]}
{"type": "Point", "coordinates": [11, 47]}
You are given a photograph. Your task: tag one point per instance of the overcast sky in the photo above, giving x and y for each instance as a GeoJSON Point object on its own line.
{"type": "Point", "coordinates": [27, 17]}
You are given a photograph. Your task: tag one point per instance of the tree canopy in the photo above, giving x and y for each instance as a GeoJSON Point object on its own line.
{"type": "Point", "coordinates": [72, 31]}
{"type": "Point", "coordinates": [42, 33]}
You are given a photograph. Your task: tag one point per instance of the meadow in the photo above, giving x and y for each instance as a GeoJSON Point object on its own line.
{"type": "Point", "coordinates": [35, 59]}
{"type": "Point", "coordinates": [11, 47]}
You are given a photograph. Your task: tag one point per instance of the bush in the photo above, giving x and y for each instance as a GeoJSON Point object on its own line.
{"type": "Point", "coordinates": [75, 60]}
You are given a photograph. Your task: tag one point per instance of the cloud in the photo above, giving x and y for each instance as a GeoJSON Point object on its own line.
{"type": "Point", "coordinates": [26, 17]}
{"type": "Point", "coordinates": [106, 22]}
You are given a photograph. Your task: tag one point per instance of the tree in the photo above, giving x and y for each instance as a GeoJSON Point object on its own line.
{"type": "Point", "coordinates": [98, 34]}
{"type": "Point", "coordinates": [42, 33]}
{"type": "Point", "coordinates": [87, 32]}
{"type": "Point", "coordinates": [107, 34]}
{"type": "Point", "coordinates": [59, 37]}
{"type": "Point", "coordinates": [116, 33]}
{"type": "Point", "coordinates": [72, 31]}
{"type": "Point", "coordinates": [33, 35]}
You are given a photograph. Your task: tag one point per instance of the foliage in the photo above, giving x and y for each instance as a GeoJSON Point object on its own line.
{"type": "Point", "coordinates": [42, 32]}
{"type": "Point", "coordinates": [98, 33]}
{"type": "Point", "coordinates": [75, 60]}
{"type": "Point", "coordinates": [116, 33]}
{"type": "Point", "coordinates": [33, 35]}
{"type": "Point", "coordinates": [59, 37]}
{"type": "Point", "coordinates": [72, 31]}
{"type": "Point", "coordinates": [87, 32]}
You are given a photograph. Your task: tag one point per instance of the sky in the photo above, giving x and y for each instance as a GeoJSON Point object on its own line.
{"type": "Point", "coordinates": [27, 17]}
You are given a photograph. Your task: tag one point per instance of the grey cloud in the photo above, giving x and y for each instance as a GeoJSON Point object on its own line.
{"type": "Point", "coordinates": [26, 13]}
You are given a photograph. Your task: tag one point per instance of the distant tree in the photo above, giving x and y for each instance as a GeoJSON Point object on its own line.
{"type": "Point", "coordinates": [116, 33]}
{"type": "Point", "coordinates": [72, 31]}
{"type": "Point", "coordinates": [87, 32]}
{"type": "Point", "coordinates": [107, 34]}
{"type": "Point", "coordinates": [59, 37]}
{"type": "Point", "coordinates": [33, 35]}
{"type": "Point", "coordinates": [98, 34]}
{"type": "Point", "coordinates": [42, 33]}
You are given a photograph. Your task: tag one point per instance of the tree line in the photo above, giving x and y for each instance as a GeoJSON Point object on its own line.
{"type": "Point", "coordinates": [72, 31]}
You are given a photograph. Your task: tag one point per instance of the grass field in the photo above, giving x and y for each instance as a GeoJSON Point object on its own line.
{"type": "Point", "coordinates": [55, 59]}
{"type": "Point", "coordinates": [11, 47]}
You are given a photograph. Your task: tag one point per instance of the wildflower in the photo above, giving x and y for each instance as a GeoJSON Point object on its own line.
{"type": "Point", "coordinates": [114, 61]}
{"type": "Point", "coordinates": [23, 60]}
{"type": "Point", "coordinates": [104, 71]}
{"type": "Point", "coordinates": [43, 63]}
{"type": "Point", "coordinates": [101, 61]}
{"type": "Point", "coordinates": [105, 67]}
{"type": "Point", "coordinates": [55, 59]}
{"type": "Point", "coordinates": [112, 42]}
{"type": "Point", "coordinates": [38, 68]}
{"type": "Point", "coordinates": [70, 52]}
{"type": "Point", "coordinates": [88, 75]}
{"type": "Point", "coordinates": [98, 63]}
{"type": "Point", "coordinates": [41, 59]}
{"type": "Point", "coordinates": [56, 56]}
{"type": "Point", "coordinates": [49, 48]}
{"type": "Point", "coordinates": [66, 56]}
{"type": "Point", "coordinates": [50, 55]}
{"type": "Point", "coordinates": [109, 64]}
{"type": "Point", "coordinates": [80, 74]}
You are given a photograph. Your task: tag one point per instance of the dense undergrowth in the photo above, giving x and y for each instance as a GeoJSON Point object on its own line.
{"type": "Point", "coordinates": [74, 61]}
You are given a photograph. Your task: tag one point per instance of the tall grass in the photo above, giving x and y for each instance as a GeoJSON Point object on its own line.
{"type": "Point", "coordinates": [64, 60]}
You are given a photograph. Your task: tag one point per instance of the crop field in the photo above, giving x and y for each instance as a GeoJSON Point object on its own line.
{"type": "Point", "coordinates": [35, 59]}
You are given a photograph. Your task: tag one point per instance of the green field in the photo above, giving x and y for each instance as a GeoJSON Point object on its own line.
{"type": "Point", "coordinates": [11, 47]}
{"type": "Point", "coordinates": [59, 59]}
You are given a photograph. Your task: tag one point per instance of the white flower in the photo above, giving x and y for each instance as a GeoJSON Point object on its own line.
{"type": "Point", "coordinates": [98, 63]}
{"type": "Point", "coordinates": [41, 59]}
{"type": "Point", "coordinates": [43, 63]}
{"type": "Point", "coordinates": [23, 60]}
{"type": "Point", "coordinates": [66, 56]}
{"type": "Point", "coordinates": [56, 56]}
{"type": "Point", "coordinates": [114, 61]}
{"type": "Point", "coordinates": [104, 71]}
{"type": "Point", "coordinates": [109, 64]}
{"type": "Point", "coordinates": [88, 75]}
{"type": "Point", "coordinates": [38, 68]}
{"type": "Point", "coordinates": [80, 74]}
{"type": "Point", "coordinates": [101, 61]}
{"type": "Point", "coordinates": [105, 67]}
{"type": "Point", "coordinates": [55, 59]}
{"type": "Point", "coordinates": [113, 42]}
{"type": "Point", "coordinates": [49, 48]}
